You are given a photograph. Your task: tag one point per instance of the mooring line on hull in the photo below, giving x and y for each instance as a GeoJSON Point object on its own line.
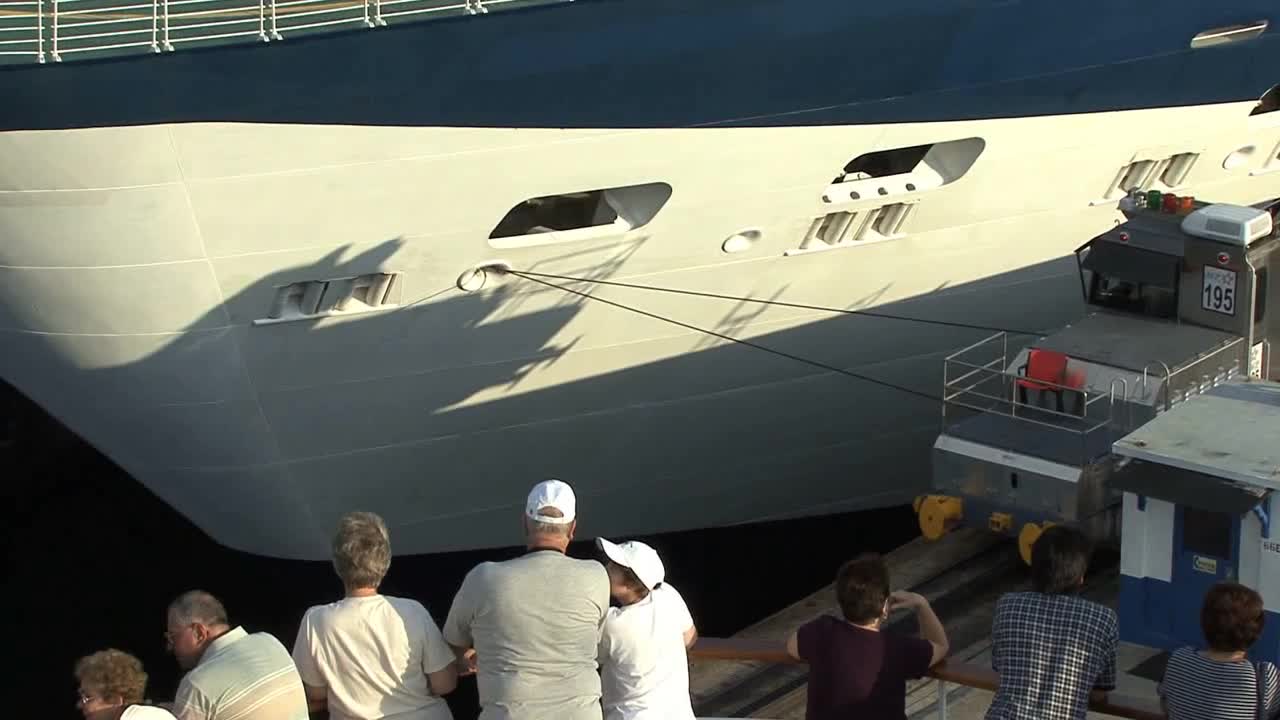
{"type": "Point", "coordinates": [781, 353]}
{"type": "Point", "coordinates": [780, 303]}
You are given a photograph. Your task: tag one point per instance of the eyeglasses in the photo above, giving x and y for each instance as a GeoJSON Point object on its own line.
{"type": "Point", "coordinates": [82, 699]}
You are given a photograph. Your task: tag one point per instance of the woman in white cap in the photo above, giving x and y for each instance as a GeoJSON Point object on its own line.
{"type": "Point", "coordinates": [643, 663]}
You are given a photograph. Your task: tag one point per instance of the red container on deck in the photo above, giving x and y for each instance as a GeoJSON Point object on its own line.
{"type": "Point", "coordinates": [1170, 203]}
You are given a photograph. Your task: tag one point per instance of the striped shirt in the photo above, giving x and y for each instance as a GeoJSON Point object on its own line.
{"type": "Point", "coordinates": [1198, 688]}
{"type": "Point", "coordinates": [242, 677]}
{"type": "Point", "coordinates": [1050, 651]}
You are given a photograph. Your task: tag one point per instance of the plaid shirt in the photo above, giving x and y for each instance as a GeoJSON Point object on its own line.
{"type": "Point", "coordinates": [1050, 651]}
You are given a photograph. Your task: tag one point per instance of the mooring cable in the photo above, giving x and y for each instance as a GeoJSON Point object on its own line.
{"type": "Point", "coordinates": [815, 363]}
{"type": "Point", "coordinates": [528, 274]}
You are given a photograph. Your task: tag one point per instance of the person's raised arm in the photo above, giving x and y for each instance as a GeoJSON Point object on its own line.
{"type": "Point", "coordinates": [930, 626]}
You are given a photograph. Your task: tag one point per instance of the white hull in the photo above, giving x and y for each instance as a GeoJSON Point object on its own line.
{"type": "Point", "coordinates": [133, 262]}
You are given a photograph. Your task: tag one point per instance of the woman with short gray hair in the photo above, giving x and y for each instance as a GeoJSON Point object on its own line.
{"type": "Point", "coordinates": [370, 655]}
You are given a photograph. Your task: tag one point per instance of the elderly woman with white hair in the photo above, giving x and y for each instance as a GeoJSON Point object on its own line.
{"type": "Point", "coordinates": [369, 655]}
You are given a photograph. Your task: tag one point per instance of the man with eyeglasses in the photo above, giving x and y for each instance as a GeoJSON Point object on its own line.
{"type": "Point", "coordinates": [231, 674]}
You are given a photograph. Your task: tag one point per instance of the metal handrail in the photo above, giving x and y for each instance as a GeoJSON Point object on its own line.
{"type": "Point", "coordinates": [30, 30]}
{"type": "Point", "coordinates": [1170, 376]}
{"type": "Point", "coordinates": [1096, 396]}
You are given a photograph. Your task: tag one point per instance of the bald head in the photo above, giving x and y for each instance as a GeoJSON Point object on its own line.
{"type": "Point", "coordinates": [198, 606]}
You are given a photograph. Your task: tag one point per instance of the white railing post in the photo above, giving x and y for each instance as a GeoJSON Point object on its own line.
{"type": "Point", "coordinates": [367, 21]}
{"type": "Point", "coordinates": [262, 21]}
{"type": "Point", "coordinates": [56, 56]}
{"type": "Point", "coordinates": [275, 31]}
{"type": "Point", "coordinates": [377, 14]}
{"type": "Point", "coordinates": [40, 31]}
{"type": "Point", "coordinates": [164, 24]}
{"type": "Point", "coordinates": [942, 699]}
{"type": "Point", "coordinates": [155, 26]}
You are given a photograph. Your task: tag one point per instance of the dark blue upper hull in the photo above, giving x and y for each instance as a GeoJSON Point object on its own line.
{"type": "Point", "coordinates": [677, 63]}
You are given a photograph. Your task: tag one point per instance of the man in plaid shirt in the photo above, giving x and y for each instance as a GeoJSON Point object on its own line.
{"type": "Point", "coordinates": [1053, 649]}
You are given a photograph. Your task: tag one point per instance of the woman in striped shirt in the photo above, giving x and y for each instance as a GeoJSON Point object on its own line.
{"type": "Point", "coordinates": [1220, 683]}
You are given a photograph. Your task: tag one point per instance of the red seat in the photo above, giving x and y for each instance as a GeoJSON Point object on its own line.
{"type": "Point", "coordinates": [1046, 371]}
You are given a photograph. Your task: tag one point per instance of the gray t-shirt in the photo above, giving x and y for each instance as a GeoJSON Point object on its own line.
{"type": "Point", "coordinates": [535, 624]}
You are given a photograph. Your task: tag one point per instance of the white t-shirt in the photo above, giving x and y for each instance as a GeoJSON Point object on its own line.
{"type": "Point", "coordinates": [372, 654]}
{"type": "Point", "coordinates": [146, 712]}
{"type": "Point", "coordinates": [644, 669]}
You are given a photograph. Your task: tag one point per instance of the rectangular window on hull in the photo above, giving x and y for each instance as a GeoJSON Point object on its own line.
{"type": "Point", "coordinates": [556, 212]}
{"type": "Point", "coordinates": [919, 167]}
{"type": "Point", "coordinates": [882, 163]}
{"type": "Point", "coordinates": [590, 214]}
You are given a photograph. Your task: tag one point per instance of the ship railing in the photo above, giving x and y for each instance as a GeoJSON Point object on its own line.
{"type": "Point", "coordinates": [1214, 367]}
{"type": "Point", "coordinates": [22, 33]}
{"type": "Point", "coordinates": [40, 30]}
{"type": "Point", "coordinates": [947, 675]}
{"type": "Point", "coordinates": [976, 379]}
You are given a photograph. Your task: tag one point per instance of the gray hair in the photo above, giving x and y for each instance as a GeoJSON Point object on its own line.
{"type": "Point", "coordinates": [198, 606]}
{"type": "Point", "coordinates": [361, 550]}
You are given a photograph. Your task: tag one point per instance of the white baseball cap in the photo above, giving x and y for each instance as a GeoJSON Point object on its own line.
{"type": "Point", "coordinates": [640, 558]}
{"type": "Point", "coordinates": [551, 494]}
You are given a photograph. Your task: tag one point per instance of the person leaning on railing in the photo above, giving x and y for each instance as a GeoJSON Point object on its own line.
{"type": "Point", "coordinates": [644, 668]}
{"type": "Point", "coordinates": [531, 625]}
{"type": "Point", "coordinates": [855, 669]}
{"type": "Point", "coordinates": [1220, 683]}
{"type": "Point", "coordinates": [370, 655]}
{"type": "Point", "coordinates": [231, 674]}
{"type": "Point", "coordinates": [1053, 650]}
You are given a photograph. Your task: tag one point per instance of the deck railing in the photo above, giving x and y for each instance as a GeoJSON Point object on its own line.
{"type": "Point", "coordinates": [976, 379]}
{"type": "Point", "coordinates": [946, 673]}
{"type": "Point", "coordinates": [58, 30]}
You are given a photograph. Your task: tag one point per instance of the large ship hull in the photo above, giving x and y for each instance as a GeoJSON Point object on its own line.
{"type": "Point", "coordinates": [141, 239]}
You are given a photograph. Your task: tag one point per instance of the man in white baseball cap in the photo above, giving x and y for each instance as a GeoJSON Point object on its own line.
{"type": "Point", "coordinates": [530, 626]}
{"type": "Point", "coordinates": [552, 502]}
{"type": "Point", "coordinates": [643, 663]}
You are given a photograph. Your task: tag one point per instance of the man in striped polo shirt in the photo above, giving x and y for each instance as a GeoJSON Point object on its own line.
{"type": "Point", "coordinates": [232, 674]}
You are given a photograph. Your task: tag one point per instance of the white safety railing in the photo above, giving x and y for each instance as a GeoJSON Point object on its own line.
{"type": "Point", "coordinates": [78, 26]}
{"type": "Point", "coordinates": [39, 30]}
{"type": "Point", "coordinates": [22, 33]}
